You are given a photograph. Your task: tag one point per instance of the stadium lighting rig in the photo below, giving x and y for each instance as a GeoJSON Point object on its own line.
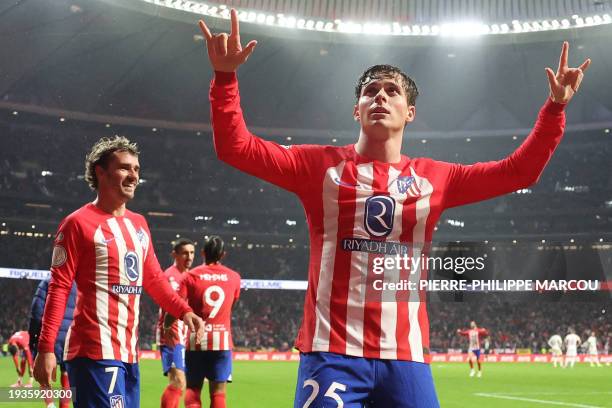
{"type": "Point", "coordinates": [450, 29]}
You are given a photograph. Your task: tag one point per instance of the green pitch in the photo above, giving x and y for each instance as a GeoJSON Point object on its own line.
{"type": "Point", "coordinates": [272, 384]}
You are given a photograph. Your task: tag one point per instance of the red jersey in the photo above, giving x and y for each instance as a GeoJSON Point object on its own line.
{"type": "Point", "coordinates": [111, 259]}
{"type": "Point", "coordinates": [21, 339]}
{"type": "Point", "coordinates": [179, 328]}
{"type": "Point", "coordinates": [211, 291]}
{"type": "Point", "coordinates": [359, 209]}
{"type": "Point", "coordinates": [474, 336]}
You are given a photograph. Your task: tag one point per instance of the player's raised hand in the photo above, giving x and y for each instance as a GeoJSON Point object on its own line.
{"type": "Point", "coordinates": [44, 368]}
{"type": "Point", "coordinates": [565, 83]}
{"type": "Point", "coordinates": [225, 51]}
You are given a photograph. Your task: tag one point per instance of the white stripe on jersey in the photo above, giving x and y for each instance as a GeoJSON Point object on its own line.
{"type": "Point", "coordinates": [355, 301]}
{"type": "Point", "coordinates": [101, 280]}
{"type": "Point", "coordinates": [204, 342]}
{"type": "Point", "coordinates": [139, 252]}
{"type": "Point", "coordinates": [123, 300]}
{"type": "Point", "coordinates": [226, 344]}
{"type": "Point", "coordinates": [192, 341]}
{"type": "Point", "coordinates": [388, 306]}
{"type": "Point", "coordinates": [418, 237]}
{"type": "Point", "coordinates": [328, 254]}
{"type": "Point", "coordinates": [216, 340]}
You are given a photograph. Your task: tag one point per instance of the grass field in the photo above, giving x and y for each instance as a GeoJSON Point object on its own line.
{"type": "Point", "coordinates": [272, 384]}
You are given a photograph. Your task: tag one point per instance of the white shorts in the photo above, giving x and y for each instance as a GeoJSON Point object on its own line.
{"type": "Point", "coordinates": [556, 352]}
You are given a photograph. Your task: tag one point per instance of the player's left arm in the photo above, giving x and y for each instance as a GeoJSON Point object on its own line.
{"type": "Point", "coordinates": [481, 181]}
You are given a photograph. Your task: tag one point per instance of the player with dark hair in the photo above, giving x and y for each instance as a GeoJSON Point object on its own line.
{"type": "Point", "coordinates": [172, 346]}
{"type": "Point", "coordinates": [36, 315]}
{"type": "Point", "coordinates": [19, 349]}
{"type": "Point", "coordinates": [108, 251]}
{"type": "Point", "coordinates": [366, 201]}
{"type": "Point", "coordinates": [212, 290]}
{"type": "Point", "coordinates": [474, 333]}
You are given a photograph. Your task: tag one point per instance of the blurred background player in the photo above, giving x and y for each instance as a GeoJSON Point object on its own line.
{"type": "Point", "coordinates": [172, 345]}
{"type": "Point", "coordinates": [366, 191]}
{"type": "Point", "coordinates": [19, 348]}
{"type": "Point", "coordinates": [571, 341]}
{"type": "Point", "coordinates": [211, 290]}
{"type": "Point", "coordinates": [474, 333]}
{"type": "Point", "coordinates": [108, 251]}
{"type": "Point", "coordinates": [36, 315]}
{"type": "Point", "coordinates": [591, 345]}
{"type": "Point", "coordinates": [556, 343]}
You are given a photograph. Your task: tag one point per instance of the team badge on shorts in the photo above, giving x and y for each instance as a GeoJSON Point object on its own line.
{"type": "Point", "coordinates": [116, 401]}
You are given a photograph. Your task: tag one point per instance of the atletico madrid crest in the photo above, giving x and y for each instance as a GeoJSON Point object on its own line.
{"type": "Point", "coordinates": [116, 401]}
{"type": "Point", "coordinates": [407, 185]}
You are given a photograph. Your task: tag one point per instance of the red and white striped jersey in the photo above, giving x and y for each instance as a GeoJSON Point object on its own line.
{"type": "Point", "coordinates": [359, 209]}
{"type": "Point", "coordinates": [111, 259]}
{"type": "Point", "coordinates": [211, 291]}
{"type": "Point", "coordinates": [178, 330]}
{"type": "Point", "coordinates": [473, 336]}
{"type": "Point", "coordinates": [21, 339]}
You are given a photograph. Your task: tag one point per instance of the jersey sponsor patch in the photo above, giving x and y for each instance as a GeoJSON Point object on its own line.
{"type": "Point", "coordinates": [379, 213]}
{"type": "Point", "coordinates": [132, 270]}
{"type": "Point", "coordinates": [59, 256]}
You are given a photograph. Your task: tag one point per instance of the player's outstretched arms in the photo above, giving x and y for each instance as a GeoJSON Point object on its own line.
{"type": "Point", "coordinates": [225, 51]}
{"type": "Point", "coordinates": [566, 81]}
{"type": "Point", "coordinates": [44, 368]}
{"type": "Point", "coordinates": [524, 166]}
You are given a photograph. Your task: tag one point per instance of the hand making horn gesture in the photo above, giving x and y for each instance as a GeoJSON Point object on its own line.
{"type": "Point", "coordinates": [225, 52]}
{"type": "Point", "coordinates": [564, 84]}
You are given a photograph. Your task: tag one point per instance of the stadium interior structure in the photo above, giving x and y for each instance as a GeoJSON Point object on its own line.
{"type": "Point", "coordinates": [74, 71]}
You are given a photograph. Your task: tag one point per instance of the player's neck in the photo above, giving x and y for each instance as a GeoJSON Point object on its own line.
{"type": "Point", "coordinates": [386, 150]}
{"type": "Point", "coordinates": [115, 208]}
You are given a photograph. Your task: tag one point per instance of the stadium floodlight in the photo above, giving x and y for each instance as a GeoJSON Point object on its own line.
{"type": "Point", "coordinates": [396, 28]}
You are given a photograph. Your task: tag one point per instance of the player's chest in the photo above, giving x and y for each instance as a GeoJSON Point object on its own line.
{"type": "Point", "coordinates": [120, 247]}
{"type": "Point", "coordinates": [374, 201]}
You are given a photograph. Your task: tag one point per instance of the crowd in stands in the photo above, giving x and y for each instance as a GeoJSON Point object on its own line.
{"type": "Point", "coordinates": [269, 319]}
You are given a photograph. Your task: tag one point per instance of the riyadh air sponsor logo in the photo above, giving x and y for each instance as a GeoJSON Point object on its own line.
{"type": "Point", "coordinates": [127, 290]}
{"type": "Point", "coordinates": [378, 218]}
{"type": "Point", "coordinates": [408, 185]}
{"type": "Point", "coordinates": [132, 270]}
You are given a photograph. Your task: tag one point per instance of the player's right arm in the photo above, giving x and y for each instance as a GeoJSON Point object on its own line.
{"type": "Point", "coordinates": [234, 143]}
{"type": "Point", "coordinates": [64, 264]}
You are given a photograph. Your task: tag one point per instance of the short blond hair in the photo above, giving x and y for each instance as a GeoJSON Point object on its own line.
{"type": "Point", "coordinates": [101, 152]}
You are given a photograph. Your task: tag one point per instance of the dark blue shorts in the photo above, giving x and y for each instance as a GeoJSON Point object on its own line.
{"type": "Point", "coordinates": [104, 383]}
{"type": "Point", "coordinates": [476, 353]}
{"type": "Point", "coordinates": [172, 357]}
{"type": "Point", "coordinates": [214, 365]}
{"type": "Point", "coordinates": [331, 380]}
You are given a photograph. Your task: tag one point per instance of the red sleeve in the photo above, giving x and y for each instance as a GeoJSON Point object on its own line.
{"type": "Point", "coordinates": [284, 166]}
{"type": "Point", "coordinates": [484, 332]}
{"type": "Point", "coordinates": [64, 264]}
{"type": "Point", "coordinates": [481, 181]}
{"type": "Point", "coordinates": [158, 288]}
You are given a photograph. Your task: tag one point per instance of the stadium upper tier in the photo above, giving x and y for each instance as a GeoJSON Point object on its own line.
{"type": "Point", "coordinates": [97, 57]}
{"type": "Point", "coordinates": [186, 190]}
